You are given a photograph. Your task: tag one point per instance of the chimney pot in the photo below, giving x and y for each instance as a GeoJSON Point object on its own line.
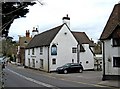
{"type": "Point", "coordinates": [66, 20]}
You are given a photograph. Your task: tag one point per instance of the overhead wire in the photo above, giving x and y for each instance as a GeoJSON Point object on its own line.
{"type": "Point", "coordinates": [14, 10]}
{"type": "Point", "coordinates": [6, 24]}
{"type": "Point", "coordinates": [19, 8]}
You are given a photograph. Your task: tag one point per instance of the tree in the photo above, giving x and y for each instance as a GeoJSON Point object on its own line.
{"type": "Point", "coordinates": [98, 48]}
{"type": "Point", "coordinates": [12, 11]}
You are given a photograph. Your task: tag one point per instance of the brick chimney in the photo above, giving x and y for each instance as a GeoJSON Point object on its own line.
{"type": "Point", "coordinates": [27, 33]}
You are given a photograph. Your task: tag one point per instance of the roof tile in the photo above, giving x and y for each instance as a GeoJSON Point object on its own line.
{"type": "Point", "coordinates": [112, 22]}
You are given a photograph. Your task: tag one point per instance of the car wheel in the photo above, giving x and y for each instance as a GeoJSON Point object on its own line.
{"type": "Point", "coordinates": [65, 71]}
{"type": "Point", "coordinates": [80, 70]}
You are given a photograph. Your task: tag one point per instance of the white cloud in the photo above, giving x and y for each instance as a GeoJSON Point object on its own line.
{"type": "Point", "coordinates": [86, 15]}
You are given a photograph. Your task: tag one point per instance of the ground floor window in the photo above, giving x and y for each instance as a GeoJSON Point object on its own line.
{"type": "Point", "coordinates": [72, 60]}
{"type": "Point", "coordinates": [116, 61]}
{"type": "Point", "coordinates": [29, 62]}
{"type": "Point", "coordinates": [53, 61]}
{"type": "Point", "coordinates": [41, 63]}
{"type": "Point", "coordinates": [33, 60]}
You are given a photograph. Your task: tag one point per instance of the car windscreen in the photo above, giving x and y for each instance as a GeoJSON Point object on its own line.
{"type": "Point", "coordinates": [66, 65]}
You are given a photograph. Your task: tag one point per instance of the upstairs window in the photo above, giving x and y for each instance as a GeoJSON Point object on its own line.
{"type": "Point", "coordinates": [33, 51]}
{"type": "Point", "coordinates": [116, 42]}
{"type": "Point", "coordinates": [54, 50]}
{"type": "Point", "coordinates": [28, 51]}
{"type": "Point", "coordinates": [41, 50]}
{"type": "Point", "coordinates": [74, 50]}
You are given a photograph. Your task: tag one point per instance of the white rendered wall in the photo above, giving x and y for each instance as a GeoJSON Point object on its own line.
{"type": "Point", "coordinates": [111, 52]}
{"type": "Point", "coordinates": [87, 56]}
{"type": "Point", "coordinates": [44, 57]}
{"type": "Point", "coordinates": [37, 58]}
{"type": "Point", "coordinates": [64, 43]}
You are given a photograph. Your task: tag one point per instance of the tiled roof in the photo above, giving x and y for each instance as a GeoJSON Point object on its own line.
{"type": "Point", "coordinates": [112, 22]}
{"type": "Point", "coordinates": [23, 41]}
{"type": "Point", "coordinates": [82, 38]}
{"type": "Point", "coordinates": [45, 38]}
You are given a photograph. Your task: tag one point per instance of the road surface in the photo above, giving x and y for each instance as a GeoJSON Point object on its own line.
{"type": "Point", "coordinates": [17, 76]}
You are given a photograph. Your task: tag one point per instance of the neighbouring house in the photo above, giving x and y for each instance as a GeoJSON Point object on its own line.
{"type": "Point", "coordinates": [98, 62]}
{"type": "Point", "coordinates": [110, 38]}
{"type": "Point", "coordinates": [23, 41]}
{"type": "Point", "coordinates": [98, 56]}
{"type": "Point", "coordinates": [57, 46]}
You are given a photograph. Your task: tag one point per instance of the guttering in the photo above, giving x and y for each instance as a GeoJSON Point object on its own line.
{"type": "Point", "coordinates": [78, 53]}
{"type": "Point", "coordinates": [48, 61]}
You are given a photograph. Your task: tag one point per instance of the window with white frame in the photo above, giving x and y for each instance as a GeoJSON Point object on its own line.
{"type": "Point", "coordinates": [41, 50]}
{"type": "Point", "coordinates": [116, 61]}
{"type": "Point", "coordinates": [41, 63]}
{"type": "Point", "coordinates": [28, 62]}
{"type": "Point", "coordinates": [28, 51]}
{"type": "Point", "coordinates": [74, 50]}
{"type": "Point", "coordinates": [33, 51]}
{"type": "Point", "coordinates": [33, 61]}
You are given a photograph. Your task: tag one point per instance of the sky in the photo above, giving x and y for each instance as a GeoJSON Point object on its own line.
{"type": "Point", "coordinates": [89, 16]}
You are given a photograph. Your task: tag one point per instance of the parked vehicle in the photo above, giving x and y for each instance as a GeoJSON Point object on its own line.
{"type": "Point", "coordinates": [70, 67]}
{"type": "Point", "coordinates": [2, 61]}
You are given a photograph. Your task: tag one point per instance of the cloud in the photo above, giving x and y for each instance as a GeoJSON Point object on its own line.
{"type": "Point", "coordinates": [86, 15]}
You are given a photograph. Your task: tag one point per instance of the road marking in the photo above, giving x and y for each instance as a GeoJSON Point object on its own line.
{"type": "Point", "coordinates": [33, 80]}
{"type": "Point", "coordinates": [51, 86]}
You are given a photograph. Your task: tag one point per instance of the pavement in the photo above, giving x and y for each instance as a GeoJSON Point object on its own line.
{"type": "Point", "coordinates": [111, 83]}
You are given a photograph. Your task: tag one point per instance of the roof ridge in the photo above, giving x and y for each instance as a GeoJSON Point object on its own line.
{"type": "Point", "coordinates": [111, 23]}
{"type": "Point", "coordinates": [44, 38]}
{"type": "Point", "coordinates": [51, 29]}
